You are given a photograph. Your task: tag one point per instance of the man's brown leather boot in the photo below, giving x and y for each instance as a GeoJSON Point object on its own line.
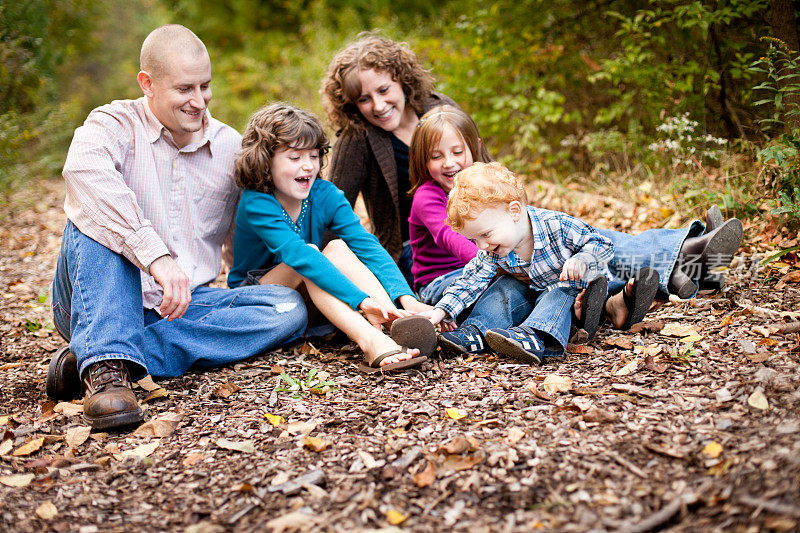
{"type": "Point", "coordinates": [108, 398]}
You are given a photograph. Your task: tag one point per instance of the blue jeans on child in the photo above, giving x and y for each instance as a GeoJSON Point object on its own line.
{"type": "Point", "coordinates": [97, 307]}
{"type": "Point", "coordinates": [655, 248]}
{"type": "Point", "coordinates": [434, 290]}
{"type": "Point", "coordinates": [509, 302]}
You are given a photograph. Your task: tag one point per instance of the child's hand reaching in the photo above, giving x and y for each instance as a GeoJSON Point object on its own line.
{"type": "Point", "coordinates": [378, 314]}
{"type": "Point", "coordinates": [573, 270]}
{"type": "Point", "coordinates": [410, 303]}
{"type": "Point", "coordinates": [435, 315]}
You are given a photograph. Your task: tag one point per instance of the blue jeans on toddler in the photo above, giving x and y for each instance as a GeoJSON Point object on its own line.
{"type": "Point", "coordinates": [97, 307]}
{"type": "Point", "coordinates": [434, 290]}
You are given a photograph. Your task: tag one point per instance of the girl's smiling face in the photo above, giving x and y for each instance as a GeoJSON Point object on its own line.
{"type": "Point", "coordinates": [448, 158]}
{"type": "Point", "coordinates": [293, 173]}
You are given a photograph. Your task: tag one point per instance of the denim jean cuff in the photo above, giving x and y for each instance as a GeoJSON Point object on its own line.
{"type": "Point", "coordinates": [134, 364]}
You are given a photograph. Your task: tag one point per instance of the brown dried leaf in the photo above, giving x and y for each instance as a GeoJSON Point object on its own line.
{"type": "Point", "coordinates": [316, 444]}
{"type": "Point", "coordinates": [32, 446]}
{"type": "Point", "coordinates": [141, 451]}
{"type": "Point", "coordinates": [652, 326]}
{"type": "Point", "coordinates": [46, 511]}
{"type": "Point", "coordinates": [757, 357]}
{"type": "Point", "coordinates": [459, 444]}
{"type": "Point", "coordinates": [651, 364]}
{"type": "Point", "coordinates": [193, 458]}
{"type": "Point", "coordinates": [68, 408]}
{"type": "Point", "coordinates": [224, 390]}
{"type": "Point", "coordinates": [426, 477]}
{"type": "Point", "coordinates": [301, 428]}
{"type": "Point", "coordinates": [555, 383]}
{"type": "Point", "coordinates": [161, 426]}
{"type": "Point", "coordinates": [581, 349]}
{"type": "Point", "coordinates": [77, 435]}
{"type": "Point", "coordinates": [461, 462]}
{"type": "Point", "coordinates": [678, 329]}
{"type": "Point", "coordinates": [515, 434]}
{"type": "Point", "coordinates": [276, 370]}
{"type": "Point", "coordinates": [160, 392]}
{"type": "Point", "coordinates": [245, 446]}
{"type": "Point", "coordinates": [6, 446]}
{"type": "Point", "coordinates": [620, 342]}
{"type": "Point", "coordinates": [17, 480]}
{"type": "Point", "coordinates": [395, 517]}
{"type": "Point", "coordinates": [148, 384]}
{"type": "Point", "coordinates": [603, 416]}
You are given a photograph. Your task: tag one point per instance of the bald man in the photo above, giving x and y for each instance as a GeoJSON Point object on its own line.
{"type": "Point", "coordinates": [150, 202]}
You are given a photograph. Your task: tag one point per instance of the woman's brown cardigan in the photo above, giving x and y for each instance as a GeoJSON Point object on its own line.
{"type": "Point", "coordinates": [363, 162]}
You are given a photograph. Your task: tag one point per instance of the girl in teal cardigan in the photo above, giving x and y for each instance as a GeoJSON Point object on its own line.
{"type": "Point", "coordinates": [281, 222]}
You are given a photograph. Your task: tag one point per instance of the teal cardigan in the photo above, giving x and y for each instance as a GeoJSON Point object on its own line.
{"type": "Point", "coordinates": [266, 236]}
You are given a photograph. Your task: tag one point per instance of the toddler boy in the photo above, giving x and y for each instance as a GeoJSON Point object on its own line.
{"type": "Point", "coordinates": [560, 255]}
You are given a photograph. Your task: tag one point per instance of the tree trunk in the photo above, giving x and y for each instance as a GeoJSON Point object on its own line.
{"type": "Point", "coordinates": [783, 19]}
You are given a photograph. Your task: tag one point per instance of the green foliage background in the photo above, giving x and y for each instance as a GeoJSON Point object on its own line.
{"type": "Point", "coordinates": [562, 85]}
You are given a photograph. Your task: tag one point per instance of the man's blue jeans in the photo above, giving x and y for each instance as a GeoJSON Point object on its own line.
{"type": "Point", "coordinates": [97, 307]}
{"type": "Point", "coordinates": [655, 248]}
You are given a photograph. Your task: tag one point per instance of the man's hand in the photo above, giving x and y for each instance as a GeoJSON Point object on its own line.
{"type": "Point", "coordinates": [573, 270]}
{"type": "Point", "coordinates": [175, 285]}
{"type": "Point", "coordinates": [378, 314]}
{"type": "Point", "coordinates": [410, 303]}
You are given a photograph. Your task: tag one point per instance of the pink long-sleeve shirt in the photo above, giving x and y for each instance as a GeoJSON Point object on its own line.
{"type": "Point", "coordinates": [436, 248]}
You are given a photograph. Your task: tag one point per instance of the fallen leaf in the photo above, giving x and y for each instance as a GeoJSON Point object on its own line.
{"type": "Point", "coordinates": [315, 444]}
{"type": "Point", "coordinates": [454, 413]}
{"type": "Point", "coordinates": [727, 321]}
{"type": "Point", "coordinates": [677, 329]}
{"type": "Point", "coordinates": [17, 480]}
{"type": "Point", "coordinates": [295, 521]}
{"type": "Point", "coordinates": [581, 349]}
{"type": "Point", "coordinates": [193, 458]}
{"type": "Point", "coordinates": [603, 416]}
{"type": "Point", "coordinates": [620, 342]}
{"type": "Point", "coordinates": [68, 408]}
{"type": "Point", "coordinates": [653, 326]}
{"type": "Point", "coordinates": [141, 451]}
{"type": "Point", "coordinates": [757, 357]}
{"type": "Point", "coordinates": [483, 373]}
{"type": "Point", "coordinates": [628, 369]}
{"type": "Point", "coordinates": [160, 392]}
{"type": "Point", "coordinates": [111, 447]}
{"type": "Point", "coordinates": [650, 350]}
{"type": "Point", "coordinates": [224, 390]}
{"type": "Point", "coordinates": [712, 449]}
{"type": "Point", "coordinates": [46, 511]}
{"type": "Point", "coordinates": [277, 370]}
{"type": "Point", "coordinates": [6, 446]}
{"type": "Point", "coordinates": [399, 432]}
{"type": "Point", "coordinates": [722, 467]}
{"type": "Point", "coordinates": [651, 364]}
{"type": "Point", "coordinates": [555, 383]}
{"type": "Point", "coordinates": [148, 384]}
{"type": "Point", "coordinates": [426, 477]}
{"type": "Point", "coordinates": [457, 445]}
{"type": "Point", "coordinates": [4, 420]}
{"type": "Point", "coordinates": [533, 387]}
{"type": "Point", "coordinates": [29, 447]}
{"type": "Point", "coordinates": [77, 436]}
{"type": "Point", "coordinates": [160, 426]}
{"type": "Point", "coordinates": [301, 428]}
{"type": "Point", "coordinates": [368, 460]}
{"type": "Point", "coordinates": [764, 331]}
{"type": "Point", "coordinates": [461, 462]}
{"type": "Point", "coordinates": [692, 338]}
{"type": "Point", "coordinates": [9, 366]}
{"type": "Point", "coordinates": [395, 517]}
{"type": "Point", "coordinates": [758, 400]}
{"type": "Point", "coordinates": [275, 420]}
{"type": "Point", "coordinates": [515, 434]}
{"type": "Point", "coordinates": [245, 446]}
{"type": "Point", "coordinates": [308, 349]}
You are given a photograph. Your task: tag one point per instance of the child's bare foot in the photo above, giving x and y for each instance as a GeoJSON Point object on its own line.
{"type": "Point", "coordinates": [380, 344]}
{"type": "Point", "coordinates": [577, 307]}
{"type": "Point", "coordinates": [616, 310]}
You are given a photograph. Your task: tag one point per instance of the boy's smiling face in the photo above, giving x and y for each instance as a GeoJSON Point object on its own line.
{"type": "Point", "coordinates": [499, 229]}
{"type": "Point", "coordinates": [293, 173]}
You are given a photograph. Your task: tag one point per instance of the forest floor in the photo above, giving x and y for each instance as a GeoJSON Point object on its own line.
{"type": "Point", "coordinates": [688, 423]}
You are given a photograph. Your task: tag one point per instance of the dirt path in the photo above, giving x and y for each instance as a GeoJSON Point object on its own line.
{"type": "Point", "coordinates": [690, 423]}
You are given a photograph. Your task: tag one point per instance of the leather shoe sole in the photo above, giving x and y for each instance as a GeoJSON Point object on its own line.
{"type": "Point", "coordinates": [63, 382]}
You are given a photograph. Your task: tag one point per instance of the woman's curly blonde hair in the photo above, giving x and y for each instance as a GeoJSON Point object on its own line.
{"type": "Point", "coordinates": [341, 87]}
{"type": "Point", "coordinates": [270, 128]}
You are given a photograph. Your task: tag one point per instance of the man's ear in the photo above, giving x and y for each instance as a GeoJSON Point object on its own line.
{"type": "Point", "coordinates": [145, 82]}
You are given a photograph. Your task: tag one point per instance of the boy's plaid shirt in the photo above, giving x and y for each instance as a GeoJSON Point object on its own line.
{"type": "Point", "coordinates": [556, 237]}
